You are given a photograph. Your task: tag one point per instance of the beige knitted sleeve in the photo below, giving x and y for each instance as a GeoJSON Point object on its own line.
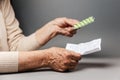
{"type": "Point", "coordinates": [8, 62]}
{"type": "Point", "coordinates": [16, 40]}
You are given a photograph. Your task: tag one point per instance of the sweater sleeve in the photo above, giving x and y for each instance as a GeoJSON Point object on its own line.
{"type": "Point", "coordinates": [16, 40]}
{"type": "Point", "coordinates": [8, 62]}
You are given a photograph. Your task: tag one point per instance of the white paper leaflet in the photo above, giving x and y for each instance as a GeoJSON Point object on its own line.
{"type": "Point", "coordinates": [85, 48]}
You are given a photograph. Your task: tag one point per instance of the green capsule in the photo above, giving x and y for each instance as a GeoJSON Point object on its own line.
{"type": "Point", "coordinates": [88, 21]}
{"type": "Point", "coordinates": [82, 24]}
{"type": "Point", "coordinates": [78, 24]}
{"type": "Point", "coordinates": [76, 27]}
{"type": "Point", "coordinates": [85, 22]}
{"type": "Point", "coordinates": [91, 19]}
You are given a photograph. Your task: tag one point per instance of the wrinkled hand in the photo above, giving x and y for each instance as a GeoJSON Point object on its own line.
{"type": "Point", "coordinates": [61, 60]}
{"type": "Point", "coordinates": [63, 26]}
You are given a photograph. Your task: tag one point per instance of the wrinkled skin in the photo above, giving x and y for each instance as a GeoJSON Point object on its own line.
{"type": "Point", "coordinates": [58, 26]}
{"type": "Point", "coordinates": [61, 60]}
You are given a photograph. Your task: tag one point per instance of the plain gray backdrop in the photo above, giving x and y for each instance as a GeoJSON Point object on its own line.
{"type": "Point", "coordinates": [33, 14]}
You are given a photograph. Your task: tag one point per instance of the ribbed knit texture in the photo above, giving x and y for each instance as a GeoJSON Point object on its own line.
{"type": "Point", "coordinates": [8, 62]}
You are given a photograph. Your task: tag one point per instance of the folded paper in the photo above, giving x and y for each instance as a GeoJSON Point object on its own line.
{"type": "Point", "coordinates": [85, 48]}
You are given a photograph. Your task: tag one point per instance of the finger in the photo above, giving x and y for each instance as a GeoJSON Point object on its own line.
{"type": "Point", "coordinates": [70, 35]}
{"type": "Point", "coordinates": [71, 62]}
{"type": "Point", "coordinates": [75, 56]}
{"type": "Point", "coordinates": [71, 21]}
{"type": "Point", "coordinates": [69, 29]}
{"type": "Point", "coordinates": [73, 32]}
{"type": "Point", "coordinates": [74, 21]}
{"type": "Point", "coordinates": [72, 65]}
{"type": "Point", "coordinates": [65, 32]}
{"type": "Point", "coordinates": [72, 57]}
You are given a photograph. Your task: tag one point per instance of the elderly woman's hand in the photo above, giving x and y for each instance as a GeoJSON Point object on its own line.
{"type": "Point", "coordinates": [63, 26]}
{"type": "Point", "coordinates": [61, 60]}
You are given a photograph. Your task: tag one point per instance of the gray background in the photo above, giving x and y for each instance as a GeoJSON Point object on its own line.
{"type": "Point", "coordinates": [33, 14]}
{"type": "Point", "coordinates": [105, 65]}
